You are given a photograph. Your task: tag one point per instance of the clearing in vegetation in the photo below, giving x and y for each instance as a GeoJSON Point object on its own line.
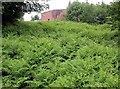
{"type": "Point", "coordinates": [59, 54]}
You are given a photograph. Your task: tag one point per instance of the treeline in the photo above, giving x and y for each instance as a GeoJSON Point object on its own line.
{"type": "Point", "coordinates": [90, 13]}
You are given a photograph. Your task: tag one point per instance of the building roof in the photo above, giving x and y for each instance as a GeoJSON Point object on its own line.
{"type": "Point", "coordinates": [53, 10]}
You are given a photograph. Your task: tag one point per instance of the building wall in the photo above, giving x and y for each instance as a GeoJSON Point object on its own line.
{"type": "Point", "coordinates": [46, 16]}
{"type": "Point", "coordinates": [61, 16]}
{"type": "Point", "coordinates": [53, 15]}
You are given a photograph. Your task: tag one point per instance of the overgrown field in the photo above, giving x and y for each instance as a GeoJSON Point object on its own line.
{"type": "Point", "coordinates": [59, 54]}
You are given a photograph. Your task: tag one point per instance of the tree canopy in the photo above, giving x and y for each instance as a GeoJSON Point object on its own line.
{"type": "Point", "coordinates": [85, 12]}
{"type": "Point", "coordinates": [11, 11]}
{"type": "Point", "coordinates": [74, 11]}
{"type": "Point", "coordinates": [115, 13]}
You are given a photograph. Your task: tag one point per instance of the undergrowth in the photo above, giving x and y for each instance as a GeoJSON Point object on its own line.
{"type": "Point", "coordinates": [59, 54]}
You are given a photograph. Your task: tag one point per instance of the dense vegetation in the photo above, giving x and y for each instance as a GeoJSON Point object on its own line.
{"type": "Point", "coordinates": [11, 11]}
{"type": "Point", "coordinates": [90, 13]}
{"type": "Point", "coordinates": [59, 54]}
{"type": "Point", "coordinates": [115, 13]}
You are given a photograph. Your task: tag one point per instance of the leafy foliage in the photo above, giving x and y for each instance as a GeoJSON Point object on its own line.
{"type": "Point", "coordinates": [59, 54]}
{"type": "Point", "coordinates": [115, 13]}
{"type": "Point", "coordinates": [89, 13]}
{"type": "Point", "coordinates": [36, 17]}
{"type": "Point", "coordinates": [12, 11]}
{"type": "Point", "coordinates": [74, 11]}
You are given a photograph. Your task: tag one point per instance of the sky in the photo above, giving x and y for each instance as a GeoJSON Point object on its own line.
{"type": "Point", "coordinates": [61, 4]}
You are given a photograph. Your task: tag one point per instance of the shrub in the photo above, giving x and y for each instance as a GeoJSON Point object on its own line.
{"type": "Point", "coordinates": [59, 54]}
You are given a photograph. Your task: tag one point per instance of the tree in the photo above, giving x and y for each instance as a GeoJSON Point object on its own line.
{"type": "Point", "coordinates": [101, 13]}
{"type": "Point", "coordinates": [89, 13]}
{"type": "Point", "coordinates": [115, 13]}
{"type": "Point", "coordinates": [12, 11]}
{"type": "Point", "coordinates": [74, 11]}
{"type": "Point", "coordinates": [0, 13]}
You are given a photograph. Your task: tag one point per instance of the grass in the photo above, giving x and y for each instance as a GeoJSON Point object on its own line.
{"type": "Point", "coordinates": [59, 54]}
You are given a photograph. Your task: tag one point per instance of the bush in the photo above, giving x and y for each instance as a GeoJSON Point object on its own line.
{"type": "Point", "coordinates": [59, 54]}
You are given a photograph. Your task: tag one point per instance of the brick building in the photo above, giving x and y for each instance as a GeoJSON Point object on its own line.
{"type": "Point", "coordinates": [53, 15]}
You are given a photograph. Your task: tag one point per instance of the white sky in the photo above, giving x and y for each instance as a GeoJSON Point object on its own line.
{"type": "Point", "coordinates": [62, 4]}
